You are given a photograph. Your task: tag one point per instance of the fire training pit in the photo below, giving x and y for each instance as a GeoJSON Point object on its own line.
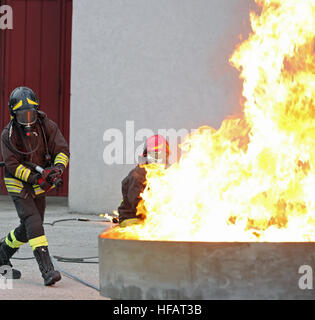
{"type": "Point", "coordinates": [133, 269]}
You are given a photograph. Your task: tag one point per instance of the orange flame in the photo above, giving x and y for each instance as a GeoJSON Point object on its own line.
{"type": "Point", "coordinates": [254, 178]}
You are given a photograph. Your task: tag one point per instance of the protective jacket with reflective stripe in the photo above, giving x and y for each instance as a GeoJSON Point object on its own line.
{"type": "Point", "coordinates": [20, 179]}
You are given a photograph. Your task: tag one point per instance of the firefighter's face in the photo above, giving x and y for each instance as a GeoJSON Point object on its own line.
{"type": "Point", "coordinates": [157, 157]}
{"type": "Point", "coordinates": [26, 117]}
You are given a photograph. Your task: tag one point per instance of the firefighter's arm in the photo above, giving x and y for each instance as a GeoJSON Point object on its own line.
{"type": "Point", "coordinates": [59, 147]}
{"type": "Point", "coordinates": [13, 162]}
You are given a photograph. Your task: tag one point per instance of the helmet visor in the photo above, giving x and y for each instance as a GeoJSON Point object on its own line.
{"type": "Point", "coordinates": [26, 117]}
{"type": "Point", "coordinates": [157, 157]}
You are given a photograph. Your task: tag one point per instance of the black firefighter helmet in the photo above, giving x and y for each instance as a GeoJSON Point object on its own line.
{"type": "Point", "coordinates": [23, 105]}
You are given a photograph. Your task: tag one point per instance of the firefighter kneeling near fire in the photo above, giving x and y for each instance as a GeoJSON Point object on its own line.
{"type": "Point", "coordinates": [156, 150]}
{"type": "Point", "coordinates": [31, 138]}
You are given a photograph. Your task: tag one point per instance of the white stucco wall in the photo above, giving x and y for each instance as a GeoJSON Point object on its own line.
{"type": "Point", "coordinates": [160, 63]}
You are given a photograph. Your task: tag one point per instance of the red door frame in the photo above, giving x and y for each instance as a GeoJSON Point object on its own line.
{"type": "Point", "coordinates": [37, 53]}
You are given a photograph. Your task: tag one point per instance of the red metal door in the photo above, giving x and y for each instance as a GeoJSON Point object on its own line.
{"type": "Point", "coordinates": [37, 53]}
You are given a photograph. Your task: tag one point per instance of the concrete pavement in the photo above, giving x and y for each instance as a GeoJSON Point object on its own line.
{"type": "Point", "coordinates": [66, 239]}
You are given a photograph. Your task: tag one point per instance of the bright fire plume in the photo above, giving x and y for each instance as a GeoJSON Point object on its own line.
{"type": "Point", "coordinates": [254, 178]}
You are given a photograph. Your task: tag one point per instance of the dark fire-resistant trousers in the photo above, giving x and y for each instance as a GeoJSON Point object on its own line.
{"type": "Point", "coordinates": [31, 213]}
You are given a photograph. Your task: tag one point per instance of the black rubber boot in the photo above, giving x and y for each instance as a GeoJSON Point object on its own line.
{"type": "Point", "coordinates": [46, 267]}
{"type": "Point", "coordinates": [6, 253]}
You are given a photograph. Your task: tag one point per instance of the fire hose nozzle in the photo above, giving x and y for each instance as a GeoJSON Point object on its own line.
{"type": "Point", "coordinates": [57, 181]}
{"type": "Point", "coordinates": [39, 169]}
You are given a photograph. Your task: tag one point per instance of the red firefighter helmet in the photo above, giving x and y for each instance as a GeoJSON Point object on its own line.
{"type": "Point", "coordinates": [156, 149]}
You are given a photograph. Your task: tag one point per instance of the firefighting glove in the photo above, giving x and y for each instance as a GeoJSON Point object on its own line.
{"type": "Point", "coordinates": [60, 168]}
{"type": "Point", "coordinates": [47, 171]}
{"type": "Point", "coordinates": [50, 174]}
{"type": "Point", "coordinates": [54, 176]}
{"type": "Point", "coordinates": [41, 181]}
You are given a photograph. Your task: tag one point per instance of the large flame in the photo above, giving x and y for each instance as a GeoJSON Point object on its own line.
{"type": "Point", "coordinates": [254, 178]}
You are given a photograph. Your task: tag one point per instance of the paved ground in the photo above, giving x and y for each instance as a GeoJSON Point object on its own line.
{"type": "Point", "coordinates": [66, 239]}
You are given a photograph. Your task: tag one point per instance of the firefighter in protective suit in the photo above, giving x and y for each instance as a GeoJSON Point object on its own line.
{"type": "Point", "coordinates": [30, 137]}
{"type": "Point", "coordinates": [156, 150]}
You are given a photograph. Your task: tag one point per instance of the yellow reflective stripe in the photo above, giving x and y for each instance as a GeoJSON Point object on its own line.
{"type": "Point", "coordinates": [26, 174]}
{"type": "Point", "coordinates": [14, 189]}
{"type": "Point", "coordinates": [22, 172]}
{"type": "Point", "coordinates": [38, 190]}
{"type": "Point", "coordinates": [129, 222]}
{"type": "Point", "coordinates": [7, 241]}
{"type": "Point", "coordinates": [13, 185]}
{"type": "Point", "coordinates": [18, 171]}
{"type": "Point", "coordinates": [62, 155]}
{"type": "Point", "coordinates": [38, 242]}
{"type": "Point", "coordinates": [65, 163]}
{"type": "Point", "coordinates": [13, 182]}
{"type": "Point", "coordinates": [32, 102]}
{"type": "Point", "coordinates": [14, 243]}
{"type": "Point", "coordinates": [18, 105]}
{"type": "Point", "coordinates": [12, 235]}
{"type": "Point", "coordinates": [61, 158]}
